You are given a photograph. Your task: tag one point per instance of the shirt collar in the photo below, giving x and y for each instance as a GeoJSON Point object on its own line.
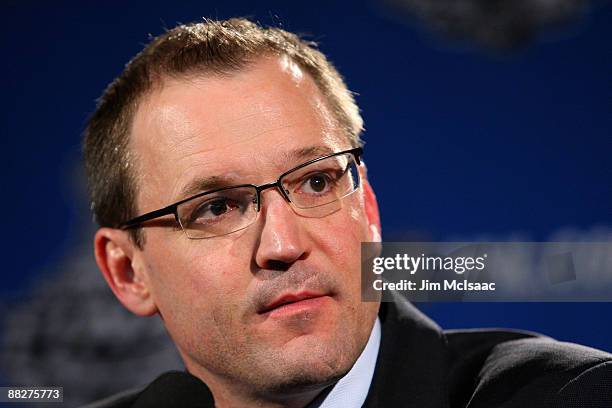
{"type": "Point", "coordinates": [352, 389]}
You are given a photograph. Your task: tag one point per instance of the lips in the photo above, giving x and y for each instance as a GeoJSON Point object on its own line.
{"type": "Point", "coordinates": [288, 299]}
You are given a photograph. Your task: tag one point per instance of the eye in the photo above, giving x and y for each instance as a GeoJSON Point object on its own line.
{"type": "Point", "coordinates": [316, 184]}
{"type": "Point", "coordinates": [214, 210]}
{"type": "Point", "coordinates": [218, 207]}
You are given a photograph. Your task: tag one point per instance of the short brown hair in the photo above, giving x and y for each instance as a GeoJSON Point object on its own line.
{"type": "Point", "coordinates": [208, 47]}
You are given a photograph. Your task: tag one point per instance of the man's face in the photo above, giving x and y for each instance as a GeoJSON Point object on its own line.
{"type": "Point", "coordinates": [249, 128]}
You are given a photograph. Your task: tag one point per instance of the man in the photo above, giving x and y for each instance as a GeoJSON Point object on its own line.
{"type": "Point", "coordinates": [226, 172]}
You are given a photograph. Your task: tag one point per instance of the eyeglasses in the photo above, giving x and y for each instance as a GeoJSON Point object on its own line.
{"type": "Point", "coordinates": [313, 189]}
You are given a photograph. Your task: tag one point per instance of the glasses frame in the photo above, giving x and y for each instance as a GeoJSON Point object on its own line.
{"type": "Point", "coordinates": [172, 209]}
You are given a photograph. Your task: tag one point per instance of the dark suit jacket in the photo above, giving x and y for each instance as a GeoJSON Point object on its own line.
{"type": "Point", "coordinates": [421, 366]}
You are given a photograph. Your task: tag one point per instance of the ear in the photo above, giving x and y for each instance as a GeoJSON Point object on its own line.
{"type": "Point", "coordinates": [371, 208]}
{"type": "Point", "coordinates": [121, 264]}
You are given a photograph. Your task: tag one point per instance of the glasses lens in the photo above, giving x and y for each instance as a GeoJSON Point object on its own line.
{"type": "Point", "coordinates": [322, 183]}
{"type": "Point", "coordinates": [218, 213]}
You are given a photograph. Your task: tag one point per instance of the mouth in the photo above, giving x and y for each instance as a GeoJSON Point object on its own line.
{"type": "Point", "coordinates": [294, 302]}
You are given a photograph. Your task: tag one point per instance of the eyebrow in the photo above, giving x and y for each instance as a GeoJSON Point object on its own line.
{"type": "Point", "coordinates": [298, 156]}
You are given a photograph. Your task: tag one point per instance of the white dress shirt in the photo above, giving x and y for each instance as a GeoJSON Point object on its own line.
{"type": "Point", "coordinates": [352, 389]}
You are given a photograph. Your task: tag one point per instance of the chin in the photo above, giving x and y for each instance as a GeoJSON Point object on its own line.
{"type": "Point", "coordinates": [304, 378]}
{"type": "Point", "coordinates": [312, 363]}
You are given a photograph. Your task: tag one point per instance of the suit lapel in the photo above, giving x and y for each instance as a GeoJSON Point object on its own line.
{"type": "Point", "coordinates": [411, 368]}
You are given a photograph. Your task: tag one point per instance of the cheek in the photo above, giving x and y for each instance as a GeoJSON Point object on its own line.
{"type": "Point", "coordinates": [202, 265]}
{"type": "Point", "coordinates": [358, 214]}
{"type": "Point", "coordinates": [339, 238]}
{"type": "Point", "coordinates": [195, 282]}
{"type": "Point", "coordinates": [351, 224]}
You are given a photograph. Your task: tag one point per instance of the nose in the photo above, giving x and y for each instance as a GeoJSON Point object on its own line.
{"type": "Point", "coordinates": [282, 240]}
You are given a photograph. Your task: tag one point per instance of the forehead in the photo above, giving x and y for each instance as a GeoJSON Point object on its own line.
{"type": "Point", "coordinates": [245, 126]}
